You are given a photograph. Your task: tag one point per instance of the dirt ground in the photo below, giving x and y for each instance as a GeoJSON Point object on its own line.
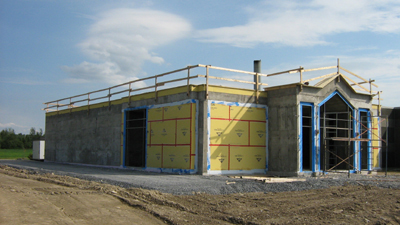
{"type": "Point", "coordinates": [27, 197]}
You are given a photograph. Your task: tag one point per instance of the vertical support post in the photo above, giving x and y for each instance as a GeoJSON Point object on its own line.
{"type": "Point", "coordinates": [109, 98]}
{"type": "Point", "coordinates": [129, 95]}
{"type": "Point", "coordinates": [379, 103]}
{"type": "Point", "coordinates": [207, 81]}
{"type": "Point", "coordinates": [88, 102]}
{"type": "Point", "coordinates": [187, 84]}
{"type": "Point", "coordinates": [257, 85]}
{"type": "Point", "coordinates": [338, 66]}
{"type": "Point", "coordinates": [301, 74]}
{"type": "Point", "coordinates": [370, 86]}
{"type": "Point", "coordinates": [70, 105]}
{"type": "Point", "coordinates": [155, 89]}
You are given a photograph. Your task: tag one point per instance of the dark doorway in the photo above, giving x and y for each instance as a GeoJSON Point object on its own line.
{"type": "Point", "coordinates": [135, 138]}
{"type": "Point", "coordinates": [307, 125]}
{"type": "Point", "coordinates": [336, 130]}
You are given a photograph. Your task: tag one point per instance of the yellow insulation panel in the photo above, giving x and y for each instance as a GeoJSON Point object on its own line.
{"type": "Point", "coordinates": [219, 158]}
{"type": "Point", "coordinates": [247, 113]}
{"type": "Point", "coordinates": [219, 111]}
{"type": "Point", "coordinates": [229, 132]}
{"type": "Point", "coordinates": [177, 111]}
{"type": "Point", "coordinates": [258, 132]}
{"type": "Point", "coordinates": [247, 158]}
{"type": "Point", "coordinates": [154, 156]}
{"type": "Point", "coordinates": [171, 136]}
{"type": "Point", "coordinates": [375, 143]}
{"type": "Point", "coordinates": [237, 137]}
{"type": "Point", "coordinates": [177, 157]}
{"type": "Point", "coordinates": [162, 132]}
{"type": "Point", "coordinates": [155, 114]}
{"type": "Point", "coordinates": [183, 132]}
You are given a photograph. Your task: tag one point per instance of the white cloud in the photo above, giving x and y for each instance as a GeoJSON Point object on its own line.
{"type": "Point", "coordinates": [306, 23]}
{"type": "Point", "coordinates": [121, 40]}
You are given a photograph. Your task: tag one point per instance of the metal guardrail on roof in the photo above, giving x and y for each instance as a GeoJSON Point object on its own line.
{"type": "Point", "coordinates": [107, 93]}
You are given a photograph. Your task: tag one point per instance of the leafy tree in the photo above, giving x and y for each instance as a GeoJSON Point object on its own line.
{"type": "Point", "coordinates": [10, 140]}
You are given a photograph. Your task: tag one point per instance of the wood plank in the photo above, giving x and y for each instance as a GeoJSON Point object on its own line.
{"type": "Point", "coordinates": [175, 80]}
{"type": "Point", "coordinates": [286, 71]}
{"type": "Point", "coordinates": [235, 80]}
{"type": "Point", "coordinates": [320, 68]}
{"type": "Point", "coordinates": [355, 83]}
{"type": "Point", "coordinates": [357, 76]}
{"type": "Point", "coordinates": [233, 70]}
{"type": "Point", "coordinates": [359, 89]}
{"type": "Point", "coordinates": [323, 76]}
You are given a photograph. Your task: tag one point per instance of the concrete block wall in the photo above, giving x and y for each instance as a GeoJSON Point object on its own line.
{"type": "Point", "coordinates": [282, 140]}
{"type": "Point", "coordinates": [87, 137]}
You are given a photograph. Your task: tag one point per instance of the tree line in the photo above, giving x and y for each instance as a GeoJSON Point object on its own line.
{"type": "Point", "coordinates": [10, 140]}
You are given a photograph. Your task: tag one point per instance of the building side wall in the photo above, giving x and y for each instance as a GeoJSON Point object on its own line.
{"type": "Point", "coordinates": [87, 137]}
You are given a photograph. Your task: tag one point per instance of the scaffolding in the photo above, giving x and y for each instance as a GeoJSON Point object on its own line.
{"type": "Point", "coordinates": [351, 144]}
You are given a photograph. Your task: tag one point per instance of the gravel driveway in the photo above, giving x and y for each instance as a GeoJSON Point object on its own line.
{"type": "Point", "coordinates": [190, 184]}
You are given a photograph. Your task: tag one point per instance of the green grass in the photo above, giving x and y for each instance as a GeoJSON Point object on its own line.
{"type": "Point", "coordinates": [14, 153]}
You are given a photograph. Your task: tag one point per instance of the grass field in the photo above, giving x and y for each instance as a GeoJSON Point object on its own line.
{"type": "Point", "coordinates": [14, 153]}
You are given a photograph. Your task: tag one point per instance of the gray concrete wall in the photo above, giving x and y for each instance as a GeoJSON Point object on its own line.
{"type": "Point", "coordinates": [282, 128]}
{"type": "Point", "coordinates": [82, 137]}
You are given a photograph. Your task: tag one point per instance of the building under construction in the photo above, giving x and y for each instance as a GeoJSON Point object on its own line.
{"type": "Point", "coordinates": [204, 119]}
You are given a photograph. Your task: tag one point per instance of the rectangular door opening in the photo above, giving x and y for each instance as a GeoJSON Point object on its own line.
{"type": "Point", "coordinates": [135, 138]}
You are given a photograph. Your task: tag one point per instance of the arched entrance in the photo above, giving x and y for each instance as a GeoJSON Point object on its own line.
{"type": "Point", "coordinates": [336, 128]}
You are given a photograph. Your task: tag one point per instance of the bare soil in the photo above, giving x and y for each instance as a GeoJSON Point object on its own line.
{"type": "Point", "coordinates": [28, 197]}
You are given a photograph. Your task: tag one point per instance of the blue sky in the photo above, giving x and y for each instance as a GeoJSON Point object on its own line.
{"type": "Point", "coordinates": [55, 49]}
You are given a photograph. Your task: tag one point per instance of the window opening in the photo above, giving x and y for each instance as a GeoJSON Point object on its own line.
{"type": "Point", "coordinates": [364, 145]}
{"type": "Point", "coordinates": [306, 137]}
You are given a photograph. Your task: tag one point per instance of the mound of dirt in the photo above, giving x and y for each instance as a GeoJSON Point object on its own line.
{"type": "Point", "coordinates": [27, 197]}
